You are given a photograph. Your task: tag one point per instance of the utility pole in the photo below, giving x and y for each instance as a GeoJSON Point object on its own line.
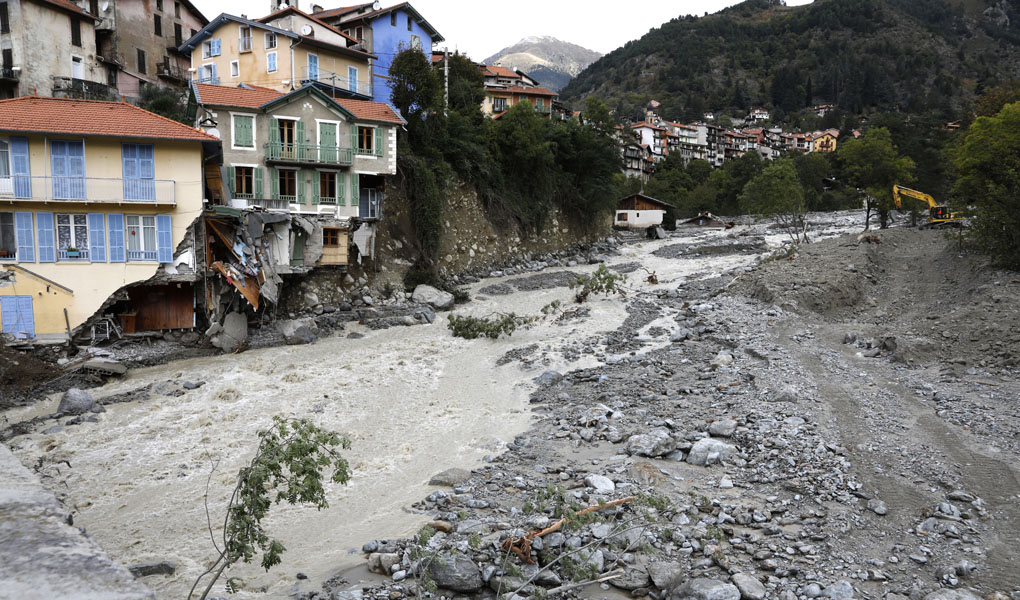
{"type": "Point", "coordinates": [446, 84]}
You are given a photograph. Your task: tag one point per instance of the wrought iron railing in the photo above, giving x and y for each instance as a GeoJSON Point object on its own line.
{"type": "Point", "coordinates": [141, 255]}
{"type": "Point", "coordinates": [71, 87]}
{"type": "Point", "coordinates": [66, 254]}
{"type": "Point", "coordinates": [308, 153]}
{"type": "Point", "coordinates": [88, 189]}
{"type": "Point", "coordinates": [9, 73]}
{"type": "Point", "coordinates": [337, 80]}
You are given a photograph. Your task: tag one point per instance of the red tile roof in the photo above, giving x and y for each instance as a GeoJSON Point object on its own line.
{"type": "Point", "coordinates": [522, 90]}
{"type": "Point", "coordinates": [291, 9]}
{"type": "Point", "coordinates": [34, 114]}
{"type": "Point", "coordinates": [645, 124]}
{"type": "Point", "coordinates": [498, 71]}
{"type": "Point", "coordinates": [370, 111]}
{"type": "Point", "coordinates": [336, 12]}
{"type": "Point", "coordinates": [222, 95]}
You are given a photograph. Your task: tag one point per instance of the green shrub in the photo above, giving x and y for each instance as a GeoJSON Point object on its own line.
{"type": "Point", "coordinates": [602, 281]}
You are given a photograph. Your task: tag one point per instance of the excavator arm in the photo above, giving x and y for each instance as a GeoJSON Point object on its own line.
{"type": "Point", "coordinates": [899, 192]}
{"type": "Point", "coordinates": [938, 214]}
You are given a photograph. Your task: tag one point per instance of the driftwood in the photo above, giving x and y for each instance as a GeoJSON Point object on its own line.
{"type": "Point", "coordinates": [522, 546]}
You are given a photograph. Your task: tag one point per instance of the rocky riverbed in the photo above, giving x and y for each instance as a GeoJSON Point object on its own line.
{"type": "Point", "coordinates": [838, 423]}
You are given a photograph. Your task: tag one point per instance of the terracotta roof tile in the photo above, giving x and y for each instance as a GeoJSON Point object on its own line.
{"type": "Point", "coordinates": [336, 12]}
{"type": "Point", "coordinates": [371, 111]}
{"type": "Point", "coordinates": [522, 90]}
{"type": "Point", "coordinates": [499, 71]}
{"type": "Point", "coordinates": [222, 95]}
{"type": "Point", "coordinates": [34, 114]}
{"type": "Point", "coordinates": [291, 9]}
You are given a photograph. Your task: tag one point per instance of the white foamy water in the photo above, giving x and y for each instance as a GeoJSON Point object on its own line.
{"type": "Point", "coordinates": [414, 401]}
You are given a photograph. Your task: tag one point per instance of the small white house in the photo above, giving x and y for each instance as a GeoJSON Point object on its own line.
{"type": "Point", "coordinates": [639, 212]}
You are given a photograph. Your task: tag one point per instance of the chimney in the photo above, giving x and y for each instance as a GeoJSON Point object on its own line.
{"type": "Point", "coordinates": [316, 9]}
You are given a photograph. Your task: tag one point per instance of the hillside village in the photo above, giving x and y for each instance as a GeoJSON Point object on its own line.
{"type": "Point", "coordinates": [300, 304]}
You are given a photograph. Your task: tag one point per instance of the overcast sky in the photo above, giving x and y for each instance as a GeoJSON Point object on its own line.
{"type": "Point", "coordinates": [480, 28]}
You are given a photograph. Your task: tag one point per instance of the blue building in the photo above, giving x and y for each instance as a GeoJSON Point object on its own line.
{"type": "Point", "coordinates": [384, 32]}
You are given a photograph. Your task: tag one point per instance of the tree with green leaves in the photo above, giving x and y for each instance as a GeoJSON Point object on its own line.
{"type": "Point", "coordinates": [988, 165]}
{"type": "Point", "coordinates": [776, 192]}
{"type": "Point", "coordinates": [873, 165]}
{"type": "Point", "coordinates": [596, 114]}
{"type": "Point", "coordinates": [294, 461]}
{"type": "Point", "coordinates": [417, 94]}
{"type": "Point", "coordinates": [169, 102]}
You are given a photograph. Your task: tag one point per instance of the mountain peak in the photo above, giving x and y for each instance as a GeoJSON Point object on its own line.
{"type": "Point", "coordinates": [551, 61]}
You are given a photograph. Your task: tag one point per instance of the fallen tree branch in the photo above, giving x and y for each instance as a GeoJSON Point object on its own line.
{"type": "Point", "coordinates": [574, 586]}
{"type": "Point", "coordinates": [522, 546]}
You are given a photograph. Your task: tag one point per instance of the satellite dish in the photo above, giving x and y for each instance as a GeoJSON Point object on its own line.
{"type": "Point", "coordinates": [306, 30]}
{"type": "Point", "coordinates": [214, 132]}
{"type": "Point", "coordinates": [376, 5]}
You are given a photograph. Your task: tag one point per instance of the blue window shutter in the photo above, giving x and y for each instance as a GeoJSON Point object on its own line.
{"type": "Point", "coordinates": [129, 161]}
{"type": "Point", "coordinates": [215, 75]}
{"type": "Point", "coordinates": [21, 169]}
{"type": "Point", "coordinates": [214, 49]}
{"type": "Point", "coordinates": [97, 237]}
{"type": "Point", "coordinates": [117, 245]}
{"type": "Point", "coordinates": [26, 236]}
{"type": "Point", "coordinates": [164, 239]}
{"type": "Point", "coordinates": [47, 243]}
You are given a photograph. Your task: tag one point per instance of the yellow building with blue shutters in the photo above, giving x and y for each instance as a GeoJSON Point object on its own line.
{"type": "Point", "coordinates": [94, 197]}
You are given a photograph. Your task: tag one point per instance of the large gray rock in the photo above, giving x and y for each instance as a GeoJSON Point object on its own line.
{"type": "Point", "coordinates": [601, 483]}
{"type": "Point", "coordinates": [665, 575]}
{"type": "Point", "coordinates": [426, 294]}
{"type": "Point", "coordinates": [707, 451]}
{"type": "Point", "coordinates": [298, 331]}
{"type": "Point", "coordinates": [450, 477]}
{"type": "Point", "coordinates": [657, 442]}
{"type": "Point", "coordinates": [77, 402]}
{"type": "Point", "coordinates": [749, 586]}
{"type": "Point", "coordinates": [722, 427]}
{"type": "Point", "coordinates": [705, 589]}
{"type": "Point", "coordinates": [457, 573]}
{"type": "Point", "coordinates": [841, 590]}
{"type": "Point", "coordinates": [952, 595]}
{"type": "Point", "coordinates": [232, 334]}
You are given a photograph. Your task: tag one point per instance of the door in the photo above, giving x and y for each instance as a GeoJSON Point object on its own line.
{"type": "Point", "coordinates": [327, 143]}
{"type": "Point", "coordinates": [313, 67]}
{"type": "Point", "coordinates": [16, 316]}
{"type": "Point", "coordinates": [139, 172]}
{"type": "Point", "coordinates": [68, 164]}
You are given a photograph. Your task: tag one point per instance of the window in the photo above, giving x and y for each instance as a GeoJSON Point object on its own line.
{"type": "Point", "coordinates": [76, 32]}
{"type": "Point", "coordinates": [72, 237]}
{"type": "Point", "coordinates": [159, 5]}
{"type": "Point", "coordinates": [67, 163]}
{"type": "Point", "coordinates": [8, 237]}
{"type": "Point", "coordinates": [313, 67]}
{"type": "Point", "coordinates": [76, 68]}
{"type": "Point", "coordinates": [141, 237]}
{"type": "Point", "coordinates": [5, 19]}
{"type": "Point", "coordinates": [621, 217]}
{"type": "Point", "coordinates": [409, 22]}
{"type": "Point", "coordinates": [5, 168]}
{"type": "Point", "coordinates": [286, 129]}
{"type": "Point", "coordinates": [235, 69]}
{"type": "Point", "coordinates": [327, 187]}
{"type": "Point", "coordinates": [244, 44]}
{"type": "Point", "coordinates": [352, 79]}
{"type": "Point", "coordinates": [177, 9]}
{"type": "Point", "coordinates": [244, 132]}
{"type": "Point", "coordinates": [330, 237]}
{"type": "Point", "coordinates": [139, 169]}
{"type": "Point", "coordinates": [270, 40]}
{"type": "Point", "coordinates": [415, 42]}
{"type": "Point", "coordinates": [244, 182]}
{"type": "Point", "coordinates": [359, 33]}
{"type": "Point", "coordinates": [393, 19]}
{"type": "Point", "coordinates": [141, 61]}
{"type": "Point", "coordinates": [271, 62]}
{"type": "Point", "coordinates": [498, 105]}
{"type": "Point", "coordinates": [211, 48]}
{"type": "Point", "coordinates": [178, 34]}
{"type": "Point", "coordinates": [366, 136]}
{"type": "Point", "coordinates": [157, 22]}
{"type": "Point", "coordinates": [207, 74]}
{"type": "Point", "coordinates": [288, 185]}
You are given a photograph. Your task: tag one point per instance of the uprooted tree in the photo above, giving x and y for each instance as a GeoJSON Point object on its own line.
{"type": "Point", "coordinates": [292, 459]}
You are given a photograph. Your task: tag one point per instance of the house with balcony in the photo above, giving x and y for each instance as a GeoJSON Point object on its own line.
{"type": "Point", "coordinates": [307, 155]}
{"type": "Point", "coordinates": [652, 136]}
{"type": "Point", "coordinates": [285, 51]}
{"type": "Point", "coordinates": [95, 200]}
{"type": "Point", "coordinates": [505, 88]}
{"type": "Point", "coordinates": [138, 41]}
{"type": "Point", "coordinates": [384, 33]}
{"type": "Point", "coordinates": [48, 48]}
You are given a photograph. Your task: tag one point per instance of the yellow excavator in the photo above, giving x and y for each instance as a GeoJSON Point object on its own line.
{"type": "Point", "coordinates": [939, 215]}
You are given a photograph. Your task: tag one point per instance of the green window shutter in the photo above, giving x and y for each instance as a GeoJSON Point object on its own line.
{"type": "Point", "coordinates": [316, 187]}
{"type": "Point", "coordinates": [341, 189]}
{"type": "Point", "coordinates": [258, 182]}
{"type": "Point", "coordinates": [274, 185]}
{"type": "Point", "coordinates": [378, 145]}
{"type": "Point", "coordinates": [274, 131]}
{"type": "Point", "coordinates": [354, 138]}
{"type": "Point", "coordinates": [355, 189]}
{"type": "Point", "coordinates": [243, 132]}
{"type": "Point", "coordinates": [299, 139]}
{"type": "Point", "coordinates": [231, 179]}
{"type": "Point", "coordinates": [300, 187]}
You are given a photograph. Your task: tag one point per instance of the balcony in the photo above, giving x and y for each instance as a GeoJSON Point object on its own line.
{"type": "Point", "coordinates": [9, 74]}
{"type": "Point", "coordinates": [209, 80]}
{"type": "Point", "coordinates": [87, 190]}
{"type": "Point", "coordinates": [308, 154]}
{"type": "Point", "coordinates": [338, 83]}
{"type": "Point", "coordinates": [65, 255]}
{"type": "Point", "coordinates": [141, 255]}
{"type": "Point", "coordinates": [168, 70]}
{"type": "Point", "coordinates": [71, 87]}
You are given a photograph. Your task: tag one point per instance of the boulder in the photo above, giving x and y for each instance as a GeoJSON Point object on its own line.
{"type": "Point", "coordinates": [601, 483]}
{"type": "Point", "coordinates": [657, 442]}
{"type": "Point", "coordinates": [749, 586]}
{"type": "Point", "coordinates": [665, 575]}
{"type": "Point", "coordinates": [147, 569]}
{"type": "Point", "coordinates": [450, 477]}
{"type": "Point", "coordinates": [631, 580]}
{"type": "Point", "coordinates": [456, 573]}
{"type": "Point", "coordinates": [707, 451]}
{"type": "Point", "coordinates": [298, 331]}
{"type": "Point", "coordinates": [438, 299]}
{"type": "Point", "coordinates": [232, 334]}
{"type": "Point", "coordinates": [76, 402]}
{"type": "Point", "coordinates": [703, 588]}
{"type": "Point", "coordinates": [722, 427]}
{"type": "Point", "coordinates": [841, 590]}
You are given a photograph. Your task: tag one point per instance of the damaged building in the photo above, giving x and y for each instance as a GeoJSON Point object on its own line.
{"type": "Point", "coordinates": [96, 199]}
